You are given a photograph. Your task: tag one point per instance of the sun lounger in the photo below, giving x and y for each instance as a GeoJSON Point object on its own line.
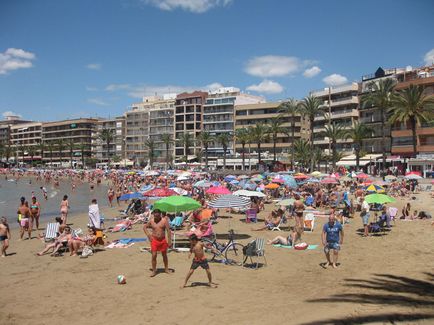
{"type": "Point", "coordinates": [51, 231]}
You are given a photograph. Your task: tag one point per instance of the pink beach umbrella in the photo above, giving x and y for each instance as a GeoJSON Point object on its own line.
{"type": "Point", "coordinates": [362, 175]}
{"type": "Point", "coordinates": [220, 190]}
{"type": "Point", "coordinates": [329, 180]}
{"type": "Point", "coordinates": [278, 180]}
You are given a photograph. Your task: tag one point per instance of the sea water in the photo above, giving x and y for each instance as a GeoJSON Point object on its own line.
{"type": "Point", "coordinates": [11, 191]}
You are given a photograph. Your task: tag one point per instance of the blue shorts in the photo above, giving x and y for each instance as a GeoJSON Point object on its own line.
{"type": "Point", "coordinates": [365, 219]}
{"type": "Point", "coordinates": [333, 246]}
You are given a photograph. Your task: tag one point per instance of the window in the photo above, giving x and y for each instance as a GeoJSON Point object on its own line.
{"type": "Point", "coordinates": [402, 141]}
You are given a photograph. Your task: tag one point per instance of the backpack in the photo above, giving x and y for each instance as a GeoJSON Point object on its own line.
{"type": "Point", "coordinates": [250, 249]}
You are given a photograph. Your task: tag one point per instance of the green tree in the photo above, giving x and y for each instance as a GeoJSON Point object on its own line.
{"type": "Point", "coordinates": [274, 129]}
{"type": "Point", "coordinates": [224, 139]}
{"type": "Point", "coordinates": [167, 140]}
{"type": "Point", "coordinates": [358, 132]}
{"type": "Point", "coordinates": [83, 146]}
{"type": "Point", "coordinates": [205, 139]}
{"type": "Point", "coordinates": [41, 148]}
{"type": "Point", "coordinates": [411, 105]}
{"type": "Point", "coordinates": [150, 145]}
{"type": "Point", "coordinates": [259, 134]}
{"type": "Point", "coordinates": [9, 152]}
{"type": "Point", "coordinates": [242, 136]}
{"type": "Point", "coordinates": [50, 148]}
{"type": "Point", "coordinates": [31, 150]}
{"type": "Point", "coordinates": [302, 151]}
{"type": "Point", "coordinates": [71, 146]}
{"type": "Point", "coordinates": [291, 108]}
{"type": "Point", "coordinates": [186, 140]}
{"type": "Point", "coordinates": [107, 136]}
{"type": "Point", "coordinates": [380, 96]}
{"type": "Point", "coordinates": [60, 145]}
{"type": "Point", "coordinates": [334, 132]}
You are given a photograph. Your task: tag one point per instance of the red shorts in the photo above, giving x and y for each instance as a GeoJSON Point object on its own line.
{"type": "Point", "coordinates": [159, 245]}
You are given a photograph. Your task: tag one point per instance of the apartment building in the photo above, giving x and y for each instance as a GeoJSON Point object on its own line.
{"type": "Point", "coordinates": [25, 138]}
{"type": "Point", "coordinates": [68, 140]}
{"type": "Point", "coordinates": [219, 115]}
{"type": "Point", "coordinates": [340, 106]}
{"type": "Point", "coordinates": [189, 119]}
{"type": "Point", "coordinates": [117, 144]}
{"type": "Point", "coordinates": [5, 127]}
{"type": "Point", "coordinates": [402, 139]}
{"type": "Point", "coordinates": [249, 115]}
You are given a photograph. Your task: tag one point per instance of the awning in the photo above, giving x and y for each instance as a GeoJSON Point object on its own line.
{"type": "Point", "coordinates": [352, 163]}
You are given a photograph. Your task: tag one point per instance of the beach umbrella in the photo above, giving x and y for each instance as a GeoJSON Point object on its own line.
{"type": "Point", "coordinates": [250, 186]}
{"type": "Point", "coordinates": [300, 176]}
{"type": "Point", "coordinates": [152, 173]}
{"type": "Point", "coordinates": [130, 196]}
{"type": "Point", "coordinates": [374, 188]}
{"type": "Point", "coordinates": [256, 179]}
{"type": "Point", "coordinates": [146, 188]}
{"type": "Point", "coordinates": [249, 193]}
{"type": "Point", "coordinates": [272, 186]}
{"type": "Point", "coordinates": [362, 175]}
{"type": "Point", "coordinates": [335, 175]}
{"type": "Point", "coordinates": [229, 201]}
{"type": "Point", "coordinates": [182, 178]}
{"type": "Point", "coordinates": [180, 191]}
{"type": "Point", "coordinates": [290, 181]}
{"type": "Point", "coordinates": [177, 204]}
{"type": "Point", "coordinates": [414, 172]}
{"type": "Point", "coordinates": [315, 174]}
{"type": "Point", "coordinates": [413, 176]}
{"type": "Point", "coordinates": [160, 192]}
{"type": "Point", "coordinates": [218, 190]}
{"type": "Point", "coordinates": [379, 198]}
{"type": "Point", "coordinates": [286, 202]}
{"type": "Point", "coordinates": [203, 183]}
{"type": "Point", "coordinates": [234, 182]}
{"type": "Point", "coordinates": [229, 178]}
{"type": "Point", "coordinates": [345, 179]}
{"type": "Point", "coordinates": [329, 180]}
{"type": "Point", "coordinates": [313, 180]}
{"type": "Point", "coordinates": [243, 177]}
{"type": "Point", "coordinates": [278, 181]}
{"type": "Point", "coordinates": [390, 178]}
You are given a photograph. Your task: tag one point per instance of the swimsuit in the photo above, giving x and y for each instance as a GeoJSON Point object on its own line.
{"type": "Point", "coordinates": [158, 245]}
{"type": "Point", "coordinates": [3, 238]}
{"type": "Point", "coordinates": [202, 262]}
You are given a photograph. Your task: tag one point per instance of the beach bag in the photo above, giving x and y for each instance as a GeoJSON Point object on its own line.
{"type": "Point", "coordinates": [250, 249]}
{"type": "Point", "coordinates": [301, 246]}
{"type": "Point", "coordinates": [87, 251]}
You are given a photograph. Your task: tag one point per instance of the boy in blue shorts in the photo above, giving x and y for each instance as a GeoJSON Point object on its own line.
{"type": "Point", "coordinates": [332, 239]}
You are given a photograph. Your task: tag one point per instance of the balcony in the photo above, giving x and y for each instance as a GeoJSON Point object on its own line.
{"type": "Point", "coordinates": [338, 115]}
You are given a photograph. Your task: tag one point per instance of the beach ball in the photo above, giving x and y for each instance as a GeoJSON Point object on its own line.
{"type": "Point", "coordinates": [121, 279]}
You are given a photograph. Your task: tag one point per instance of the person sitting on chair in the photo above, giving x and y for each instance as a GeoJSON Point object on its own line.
{"type": "Point", "coordinates": [271, 221]}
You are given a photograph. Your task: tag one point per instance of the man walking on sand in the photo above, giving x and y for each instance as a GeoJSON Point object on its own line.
{"type": "Point", "coordinates": [160, 226]}
{"type": "Point", "coordinates": [332, 239]}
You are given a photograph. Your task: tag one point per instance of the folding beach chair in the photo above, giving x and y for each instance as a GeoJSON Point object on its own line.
{"type": "Point", "coordinates": [282, 220]}
{"type": "Point", "coordinates": [256, 249]}
{"type": "Point", "coordinates": [176, 223]}
{"type": "Point", "coordinates": [51, 231]}
{"type": "Point", "coordinates": [309, 222]}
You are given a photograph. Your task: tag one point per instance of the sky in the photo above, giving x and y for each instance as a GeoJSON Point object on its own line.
{"type": "Point", "coordinates": [64, 59]}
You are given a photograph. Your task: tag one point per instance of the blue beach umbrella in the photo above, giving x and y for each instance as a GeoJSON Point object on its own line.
{"type": "Point", "coordinates": [130, 196]}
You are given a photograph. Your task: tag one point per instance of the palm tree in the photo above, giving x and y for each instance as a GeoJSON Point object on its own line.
{"type": "Point", "coordinates": [167, 140]}
{"type": "Point", "coordinates": [259, 135]}
{"type": "Point", "coordinates": [107, 135]}
{"type": "Point", "coordinates": [412, 105]}
{"type": "Point", "coordinates": [291, 108]}
{"type": "Point", "coordinates": [83, 146]}
{"type": "Point", "coordinates": [150, 145]}
{"type": "Point", "coordinates": [71, 147]}
{"type": "Point", "coordinates": [242, 136]}
{"type": "Point", "coordinates": [224, 139]}
{"type": "Point", "coordinates": [302, 151]}
{"type": "Point", "coordinates": [274, 128]}
{"type": "Point", "coordinates": [9, 151]}
{"type": "Point", "coordinates": [380, 96]}
{"type": "Point", "coordinates": [334, 132]}
{"type": "Point", "coordinates": [186, 139]}
{"type": "Point", "coordinates": [31, 150]}
{"type": "Point", "coordinates": [41, 148]}
{"type": "Point", "coordinates": [60, 144]}
{"type": "Point", "coordinates": [50, 148]}
{"type": "Point", "coordinates": [205, 139]}
{"type": "Point", "coordinates": [310, 108]}
{"type": "Point", "coordinates": [358, 132]}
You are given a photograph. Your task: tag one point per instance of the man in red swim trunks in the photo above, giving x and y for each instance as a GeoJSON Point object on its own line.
{"type": "Point", "coordinates": [160, 226]}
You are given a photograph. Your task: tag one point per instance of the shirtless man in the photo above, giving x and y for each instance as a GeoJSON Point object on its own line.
{"type": "Point", "coordinates": [5, 235]}
{"type": "Point", "coordinates": [298, 209]}
{"type": "Point", "coordinates": [160, 226]}
{"type": "Point", "coordinates": [196, 247]}
{"type": "Point", "coordinates": [23, 218]}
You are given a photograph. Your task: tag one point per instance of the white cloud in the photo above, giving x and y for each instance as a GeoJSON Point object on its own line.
{"type": "Point", "coordinates": [267, 86]}
{"type": "Point", "coordinates": [94, 66]}
{"type": "Point", "coordinates": [429, 57]}
{"type": "Point", "coordinates": [195, 6]}
{"type": "Point", "coordinates": [273, 66]}
{"type": "Point", "coordinates": [91, 88]}
{"type": "Point", "coordinates": [138, 91]}
{"type": "Point", "coordinates": [13, 59]}
{"type": "Point", "coordinates": [10, 113]}
{"type": "Point", "coordinates": [335, 80]}
{"type": "Point", "coordinates": [97, 101]}
{"type": "Point", "coordinates": [311, 72]}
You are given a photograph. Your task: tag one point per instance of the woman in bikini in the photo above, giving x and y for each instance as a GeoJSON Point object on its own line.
{"type": "Point", "coordinates": [35, 212]}
{"type": "Point", "coordinates": [64, 207]}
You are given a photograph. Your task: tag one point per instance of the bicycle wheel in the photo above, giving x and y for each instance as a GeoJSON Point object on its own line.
{"type": "Point", "coordinates": [234, 254]}
{"type": "Point", "coordinates": [210, 249]}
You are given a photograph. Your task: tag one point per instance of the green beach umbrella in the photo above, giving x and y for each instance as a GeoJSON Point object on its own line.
{"type": "Point", "coordinates": [177, 204]}
{"type": "Point", "coordinates": [379, 198]}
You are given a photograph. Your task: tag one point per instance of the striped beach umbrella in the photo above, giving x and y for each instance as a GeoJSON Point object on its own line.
{"type": "Point", "coordinates": [229, 201]}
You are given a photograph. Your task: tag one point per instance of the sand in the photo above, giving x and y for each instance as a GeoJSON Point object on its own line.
{"type": "Point", "coordinates": [380, 279]}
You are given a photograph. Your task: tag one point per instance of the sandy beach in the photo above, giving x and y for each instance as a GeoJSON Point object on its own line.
{"type": "Point", "coordinates": [380, 278]}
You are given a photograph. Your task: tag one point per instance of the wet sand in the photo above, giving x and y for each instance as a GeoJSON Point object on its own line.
{"type": "Point", "coordinates": [380, 278]}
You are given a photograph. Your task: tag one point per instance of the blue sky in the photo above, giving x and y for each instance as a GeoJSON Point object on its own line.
{"type": "Point", "coordinates": [66, 59]}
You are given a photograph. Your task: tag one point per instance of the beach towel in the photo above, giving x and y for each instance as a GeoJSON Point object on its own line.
{"type": "Point", "coordinates": [118, 245]}
{"type": "Point", "coordinates": [310, 247]}
{"type": "Point", "coordinates": [94, 216]}
{"type": "Point", "coordinates": [131, 240]}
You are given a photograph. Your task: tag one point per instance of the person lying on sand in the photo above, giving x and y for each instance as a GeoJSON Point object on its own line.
{"type": "Point", "coordinates": [64, 237]}
{"type": "Point", "coordinates": [77, 243]}
{"type": "Point", "coordinates": [291, 240]}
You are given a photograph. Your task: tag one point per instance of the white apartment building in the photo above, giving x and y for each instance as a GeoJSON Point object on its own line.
{"type": "Point", "coordinates": [25, 138]}
{"type": "Point", "coordinates": [116, 145]}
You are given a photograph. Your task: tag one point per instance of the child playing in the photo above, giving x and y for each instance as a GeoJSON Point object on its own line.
{"type": "Point", "coordinates": [5, 235]}
{"type": "Point", "coordinates": [196, 247]}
